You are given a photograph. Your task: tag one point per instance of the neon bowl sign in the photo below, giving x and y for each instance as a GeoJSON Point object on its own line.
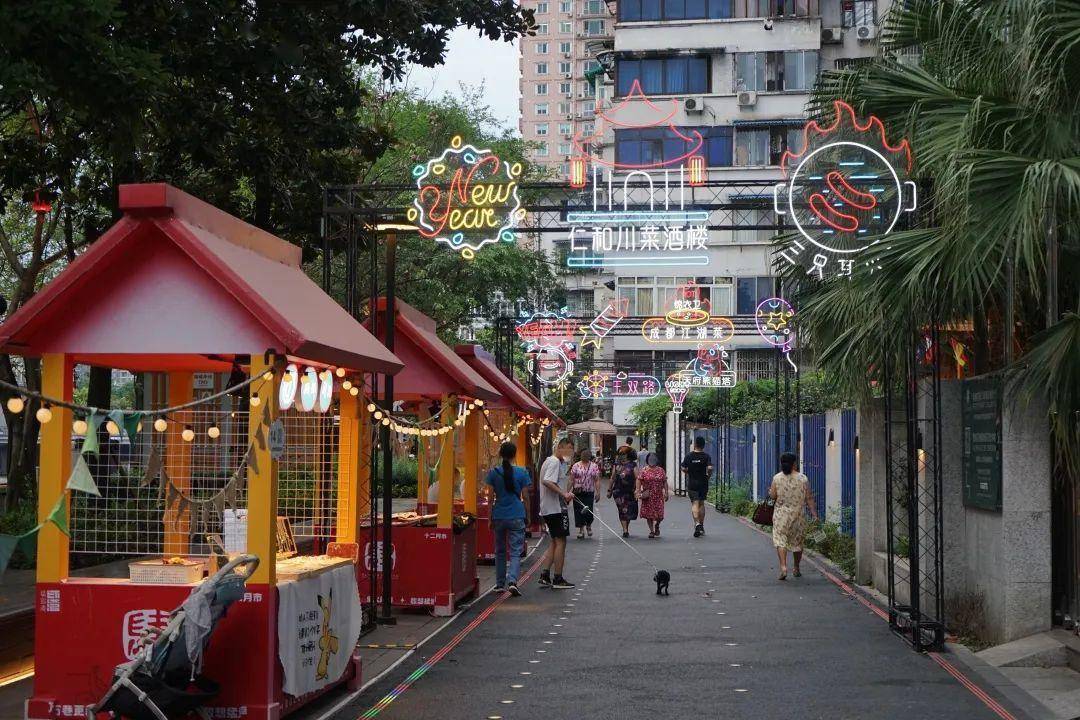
{"type": "Point", "coordinates": [466, 198]}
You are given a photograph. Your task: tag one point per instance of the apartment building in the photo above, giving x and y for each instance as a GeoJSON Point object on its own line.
{"type": "Point", "coordinates": [557, 96]}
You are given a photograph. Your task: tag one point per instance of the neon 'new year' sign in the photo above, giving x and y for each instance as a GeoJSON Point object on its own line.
{"type": "Point", "coordinates": [466, 198]}
{"type": "Point", "coordinates": [638, 215]}
{"type": "Point", "coordinates": [604, 386]}
{"type": "Point", "coordinates": [845, 190]}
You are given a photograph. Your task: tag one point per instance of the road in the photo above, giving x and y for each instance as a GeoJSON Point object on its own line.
{"type": "Point", "coordinates": [731, 641]}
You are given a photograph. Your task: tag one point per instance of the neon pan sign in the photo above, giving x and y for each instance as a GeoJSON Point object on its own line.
{"type": "Point", "coordinates": [466, 198]}
{"type": "Point", "coordinates": [845, 190]}
{"type": "Point", "coordinates": [688, 320]}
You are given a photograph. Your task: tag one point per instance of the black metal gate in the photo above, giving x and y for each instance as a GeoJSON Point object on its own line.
{"type": "Point", "coordinates": [913, 493]}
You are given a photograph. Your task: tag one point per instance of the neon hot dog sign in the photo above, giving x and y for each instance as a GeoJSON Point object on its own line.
{"type": "Point", "coordinates": [845, 190]}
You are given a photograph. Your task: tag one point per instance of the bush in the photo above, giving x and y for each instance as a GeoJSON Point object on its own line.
{"type": "Point", "coordinates": [825, 538]}
{"type": "Point", "coordinates": [403, 476]}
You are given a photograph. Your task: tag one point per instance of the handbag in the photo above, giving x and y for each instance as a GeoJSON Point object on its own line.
{"type": "Point", "coordinates": [763, 514]}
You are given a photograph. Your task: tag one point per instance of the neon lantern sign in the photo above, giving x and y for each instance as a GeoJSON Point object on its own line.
{"type": "Point", "coordinates": [549, 337]}
{"type": "Point", "coordinates": [603, 386]}
{"type": "Point", "coordinates": [708, 370]}
{"type": "Point", "coordinates": [466, 198]}
{"type": "Point", "coordinates": [638, 215]}
{"type": "Point", "coordinates": [688, 320]}
{"type": "Point", "coordinates": [844, 190]}
{"type": "Point", "coordinates": [773, 318]}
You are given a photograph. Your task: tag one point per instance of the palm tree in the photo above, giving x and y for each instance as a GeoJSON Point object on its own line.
{"type": "Point", "coordinates": [988, 94]}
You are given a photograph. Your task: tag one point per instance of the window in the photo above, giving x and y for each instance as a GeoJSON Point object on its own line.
{"type": "Point", "coordinates": [541, 129]}
{"type": "Point", "coordinates": [590, 66]}
{"type": "Point", "coordinates": [594, 27]}
{"type": "Point", "coordinates": [565, 67]}
{"type": "Point", "coordinates": [764, 146]}
{"type": "Point", "coordinates": [541, 68]}
{"type": "Point", "coordinates": [541, 29]}
{"type": "Point", "coordinates": [664, 75]}
{"type": "Point", "coordinates": [640, 300]}
{"type": "Point", "coordinates": [564, 129]}
{"type": "Point", "coordinates": [579, 303]}
{"type": "Point", "coordinates": [541, 88]}
{"type": "Point", "coordinates": [566, 88]}
{"type": "Point", "coordinates": [753, 217]}
{"type": "Point", "coordinates": [751, 291]}
{"type": "Point", "coordinates": [541, 48]}
{"type": "Point", "coordinates": [587, 89]}
{"type": "Point", "coordinates": [566, 26]}
{"type": "Point", "coordinates": [565, 108]}
{"type": "Point", "coordinates": [633, 10]}
{"type": "Point", "coordinates": [564, 148]}
{"type": "Point", "coordinates": [564, 170]}
{"type": "Point", "coordinates": [587, 129]}
{"type": "Point", "coordinates": [566, 6]}
{"type": "Point", "coordinates": [564, 48]}
{"type": "Point", "coordinates": [542, 149]}
{"type": "Point", "coordinates": [595, 7]}
{"type": "Point", "coordinates": [775, 71]}
{"type": "Point", "coordinates": [775, 8]}
{"type": "Point", "coordinates": [649, 146]}
{"type": "Point", "coordinates": [858, 12]}
{"type": "Point", "coordinates": [541, 8]}
{"type": "Point", "coordinates": [541, 108]}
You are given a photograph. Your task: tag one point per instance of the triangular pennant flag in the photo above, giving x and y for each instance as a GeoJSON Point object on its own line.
{"type": "Point", "coordinates": [81, 479]}
{"type": "Point", "coordinates": [28, 543]}
{"type": "Point", "coordinates": [117, 416]}
{"type": "Point", "coordinates": [153, 467]}
{"type": "Point", "coordinates": [163, 483]}
{"type": "Point", "coordinates": [219, 504]}
{"type": "Point", "coordinates": [58, 515]}
{"type": "Point", "coordinates": [228, 494]}
{"type": "Point", "coordinates": [253, 463]}
{"type": "Point", "coordinates": [260, 436]}
{"type": "Point", "coordinates": [182, 504]}
{"type": "Point", "coordinates": [170, 494]}
{"type": "Point", "coordinates": [131, 425]}
{"type": "Point", "coordinates": [90, 442]}
{"type": "Point", "coordinates": [7, 549]}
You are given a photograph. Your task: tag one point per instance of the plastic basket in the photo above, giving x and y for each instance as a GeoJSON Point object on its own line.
{"type": "Point", "coordinates": [155, 572]}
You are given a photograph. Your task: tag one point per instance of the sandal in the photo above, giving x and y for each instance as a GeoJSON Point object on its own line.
{"type": "Point", "coordinates": [797, 573]}
{"type": "Point", "coordinates": [581, 535]}
{"type": "Point", "coordinates": [589, 530]}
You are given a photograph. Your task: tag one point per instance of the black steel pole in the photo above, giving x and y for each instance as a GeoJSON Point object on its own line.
{"type": "Point", "coordinates": [388, 455]}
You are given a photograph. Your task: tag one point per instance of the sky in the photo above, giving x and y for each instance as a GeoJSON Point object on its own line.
{"type": "Point", "coordinates": [473, 59]}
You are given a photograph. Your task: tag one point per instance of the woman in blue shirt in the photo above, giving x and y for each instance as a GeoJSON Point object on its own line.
{"type": "Point", "coordinates": [508, 517]}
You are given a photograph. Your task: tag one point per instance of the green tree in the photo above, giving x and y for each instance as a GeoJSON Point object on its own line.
{"type": "Point", "coordinates": [991, 109]}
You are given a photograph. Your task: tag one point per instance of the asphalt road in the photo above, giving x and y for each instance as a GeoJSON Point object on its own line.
{"type": "Point", "coordinates": [730, 641]}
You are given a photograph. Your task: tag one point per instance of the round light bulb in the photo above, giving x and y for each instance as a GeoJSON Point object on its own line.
{"type": "Point", "coordinates": [371, 407]}
{"type": "Point", "coordinates": [346, 385]}
{"type": "Point", "coordinates": [472, 406]}
{"type": "Point", "coordinates": [188, 434]}
{"type": "Point", "coordinates": [79, 427]}
{"type": "Point", "coordinates": [16, 404]}
{"type": "Point", "coordinates": [268, 375]}
{"type": "Point", "coordinates": [386, 421]}
{"type": "Point", "coordinates": [256, 401]}
{"type": "Point", "coordinates": [43, 415]}
{"type": "Point", "coordinates": [161, 425]}
{"type": "Point", "coordinates": [354, 391]}
{"type": "Point", "coordinates": [378, 414]}
{"type": "Point", "coordinates": [214, 432]}
{"type": "Point", "coordinates": [305, 379]}
{"type": "Point", "coordinates": [113, 428]}
{"type": "Point", "coordinates": [479, 403]}
{"type": "Point", "coordinates": [340, 372]}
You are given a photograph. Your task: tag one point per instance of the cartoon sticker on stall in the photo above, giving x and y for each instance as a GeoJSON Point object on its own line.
{"type": "Point", "coordinates": [328, 641]}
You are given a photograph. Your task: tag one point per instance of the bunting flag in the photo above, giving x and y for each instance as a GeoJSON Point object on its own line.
{"type": "Point", "coordinates": [81, 479]}
{"type": "Point", "coordinates": [90, 442]}
{"type": "Point", "coordinates": [7, 549]}
{"type": "Point", "coordinates": [153, 467]}
{"type": "Point", "coordinates": [131, 425]}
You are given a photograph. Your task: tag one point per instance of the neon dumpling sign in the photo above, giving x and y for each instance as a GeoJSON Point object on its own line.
{"type": "Point", "coordinates": [845, 189]}
{"type": "Point", "coordinates": [467, 198]}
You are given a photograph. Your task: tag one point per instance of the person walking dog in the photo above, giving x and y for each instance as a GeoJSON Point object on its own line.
{"type": "Point", "coordinates": [554, 496]}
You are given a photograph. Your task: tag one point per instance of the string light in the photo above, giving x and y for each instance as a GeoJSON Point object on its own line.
{"type": "Point", "coordinates": [214, 432]}
{"type": "Point", "coordinates": [268, 375]}
{"type": "Point", "coordinates": [386, 421]}
{"type": "Point", "coordinates": [161, 425]}
{"type": "Point", "coordinates": [16, 404]}
{"type": "Point", "coordinates": [378, 414]}
{"type": "Point", "coordinates": [255, 401]}
{"type": "Point", "coordinates": [79, 427]}
{"type": "Point", "coordinates": [479, 403]}
{"type": "Point", "coordinates": [340, 372]}
{"type": "Point", "coordinates": [354, 391]}
{"type": "Point", "coordinates": [44, 414]}
{"type": "Point", "coordinates": [371, 407]}
{"type": "Point", "coordinates": [188, 434]}
{"type": "Point", "coordinates": [113, 428]}
{"type": "Point", "coordinates": [346, 385]}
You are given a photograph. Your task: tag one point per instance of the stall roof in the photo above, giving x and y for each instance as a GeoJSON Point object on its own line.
{"type": "Point", "coordinates": [179, 284]}
{"type": "Point", "coordinates": [545, 410]}
{"type": "Point", "coordinates": [432, 368]}
{"type": "Point", "coordinates": [484, 363]}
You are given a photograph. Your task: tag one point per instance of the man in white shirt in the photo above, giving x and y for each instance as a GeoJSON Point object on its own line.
{"type": "Point", "coordinates": [554, 496]}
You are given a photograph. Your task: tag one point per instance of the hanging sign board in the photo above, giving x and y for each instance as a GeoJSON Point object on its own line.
{"type": "Point", "coordinates": [277, 439]}
{"type": "Point", "coordinates": [981, 415]}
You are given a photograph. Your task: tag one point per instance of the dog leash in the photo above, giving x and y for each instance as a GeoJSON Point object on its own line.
{"type": "Point", "coordinates": [619, 536]}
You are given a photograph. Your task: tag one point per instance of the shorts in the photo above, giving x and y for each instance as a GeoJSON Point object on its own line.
{"type": "Point", "coordinates": [698, 493]}
{"type": "Point", "coordinates": [558, 524]}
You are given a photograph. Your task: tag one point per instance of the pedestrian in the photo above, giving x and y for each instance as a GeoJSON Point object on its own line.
{"type": "Point", "coordinates": [508, 518]}
{"type": "Point", "coordinates": [628, 448]}
{"type": "Point", "coordinates": [653, 492]}
{"type": "Point", "coordinates": [584, 481]}
{"type": "Point", "coordinates": [697, 466]}
{"type": "Point", "coordinates": [791, 491]}
{"type": "Point", "coordinates": [623, 489]}
{"type": "Point", "coordinates": [554, 495]}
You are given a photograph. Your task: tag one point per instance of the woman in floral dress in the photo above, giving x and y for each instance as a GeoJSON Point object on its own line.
{"type": "Point", "coordinates": [584, 481]}
{"type": "Point", "coordinates": [653, 492]}
{"type": "Point", "coordinates": [623, 489]}
{"type": "Point", "coordinates": [791, 491]}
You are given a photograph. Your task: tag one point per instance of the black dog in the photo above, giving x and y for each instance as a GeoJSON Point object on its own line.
{"type": "Point", "coordinates": [662, 578]}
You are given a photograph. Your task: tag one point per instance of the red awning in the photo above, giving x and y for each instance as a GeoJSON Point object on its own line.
{"type": "Point", "coordinates": [179, 284]}
{"type": "Point", "coordinates": [513, 396]}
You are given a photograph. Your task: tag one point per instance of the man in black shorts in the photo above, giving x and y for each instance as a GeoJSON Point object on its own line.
{"type": "Point", "coordinates": [696, 467]}
{"type": "Point", "coordinates": [554, 496]}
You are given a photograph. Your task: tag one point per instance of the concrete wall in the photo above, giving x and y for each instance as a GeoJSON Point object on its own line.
{"type": "Point", "coordinates": [833, 490]}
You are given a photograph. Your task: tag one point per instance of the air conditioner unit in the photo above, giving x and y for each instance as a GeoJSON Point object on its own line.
{"type": "Point", "coordinates": [832, 35]}
{"type": "Point", "coordinates": [569, 117]}
{"type": "Point", "coordinates": [866, 32]}
{"type": "Point", "coordinates": [747, 98]}
{"type": "Point", "coordinates": [566, 55]}
{"type": "Point", "coordinates": [567, 76]}
{"type": "Point", "coordinates": [694, 105]}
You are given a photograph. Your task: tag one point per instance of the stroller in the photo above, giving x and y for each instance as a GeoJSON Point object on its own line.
{"type": "Point", "coordinates": [163, 681]}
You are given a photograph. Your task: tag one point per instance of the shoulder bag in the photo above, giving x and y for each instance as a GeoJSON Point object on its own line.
{"type": "Point", "coordinates": [763, 514]}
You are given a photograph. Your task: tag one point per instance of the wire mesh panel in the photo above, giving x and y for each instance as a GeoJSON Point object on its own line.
{"type": "Point", "coordinates": [307, 475]}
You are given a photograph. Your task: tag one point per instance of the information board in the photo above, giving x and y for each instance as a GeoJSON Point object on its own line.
{"type": "Point", "coordinates": [981, 413]}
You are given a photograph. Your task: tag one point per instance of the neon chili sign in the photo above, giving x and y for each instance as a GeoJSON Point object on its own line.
{"type": "Point", "coordinates": [466, 198]}
{"type": "Point", "coordinates": [845, 189]}
{"type": "Point", "coordinates": [638, 214]}
{"type": "Point", "coordinates": [604, 386]}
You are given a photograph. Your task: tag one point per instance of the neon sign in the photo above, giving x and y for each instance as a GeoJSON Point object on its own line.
{"type": "Point", "coordinates": [604, 323]}
{"type": "Point", "coordinates": [845, 190]}
{"type": "Point", "coordinates": [708, 370]}
{"type": "Point", "coordinates": [549, 337]}
{"type": "Point", "coordinates": [773, 318]}
{"type": "Point", "coordinates": [466, 198]}
{"type": "Point", "coordinates": [638, 215]}
{"type": "Point", "coordinates": [603, 386]}
{"type": "Point", "coordinates": [688, 320]}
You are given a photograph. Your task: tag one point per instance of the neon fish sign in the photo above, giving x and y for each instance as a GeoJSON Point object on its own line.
{"type": "Point", "coordinates": [602, 386]}
{"type": "Point", "coordinates": [466, 198]}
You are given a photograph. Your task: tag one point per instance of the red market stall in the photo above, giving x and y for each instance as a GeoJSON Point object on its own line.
{"type": "Point", "coordinates": [174, 289]}
{"type": "Point", "coordinates": [440, 399]}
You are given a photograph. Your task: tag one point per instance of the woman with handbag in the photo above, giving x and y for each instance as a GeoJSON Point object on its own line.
{"type": "Point", "coordinates": [584, 482]}
{"type": "Point", "coordinates": [623, 489]}
{"type": "Point", "coordinates": [790, 490]}
{"type": "Point", "coordinates": [653, 493]}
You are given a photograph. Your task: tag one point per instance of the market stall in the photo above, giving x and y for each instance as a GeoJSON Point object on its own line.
{"type": "Point", "coordinates": [439, 400]}
{"type": "Point", "coordinates": [269, 467]}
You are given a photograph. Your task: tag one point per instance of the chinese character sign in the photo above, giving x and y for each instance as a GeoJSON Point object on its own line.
{"type": "Point", "coordinates": [466, 198]}
{"type": "Point", "coordinates": [603, 386]}
{"type": "Point", "coordinates": [845, 188]}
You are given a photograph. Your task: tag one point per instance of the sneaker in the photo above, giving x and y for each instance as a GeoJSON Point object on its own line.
{"type": "Point", "coordinates": [498, 589]}
{"type": "Point", "coordinates": [545, 580]}
{"type": "Point", "coordinates": [561, 583]}
{"type": "Point", "coordinates": [513, 588]}
{"type": "Point", "coordinates": [698, 531]}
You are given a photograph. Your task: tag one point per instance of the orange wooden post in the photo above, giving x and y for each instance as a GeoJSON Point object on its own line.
{"type": "Point", "coordinates": [54, 468]}
{"type": "Point", "coordinates": [262, 489]}
{"type": "Point", "coordinates": [446, 464]}
{"type": "Point", "coordinates": [350, 461]}
{"type": "Point", "coordinates": [472, 460]}
{"type": "Point", "coordinates": [177, 466]}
